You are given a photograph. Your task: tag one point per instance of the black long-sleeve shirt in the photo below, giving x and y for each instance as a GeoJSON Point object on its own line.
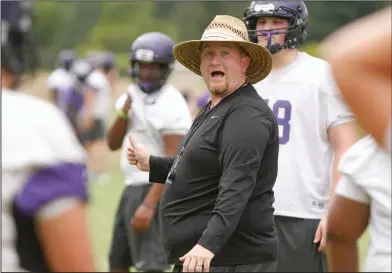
{"type": "Point", "coordinates": [221, 194]}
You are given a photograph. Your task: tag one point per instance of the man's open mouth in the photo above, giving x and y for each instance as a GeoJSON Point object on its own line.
{"type": "Point", "coordinates": [217, 74]}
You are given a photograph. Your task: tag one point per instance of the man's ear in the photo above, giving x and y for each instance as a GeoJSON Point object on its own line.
{"type": "Point", "coordinates": [245, 61]}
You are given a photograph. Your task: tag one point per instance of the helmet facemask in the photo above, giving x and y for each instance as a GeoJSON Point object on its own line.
{"type": "Point", "coordinates": [150, 79]}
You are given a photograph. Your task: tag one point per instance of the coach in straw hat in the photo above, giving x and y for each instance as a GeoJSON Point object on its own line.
{"type": "Point", "coordinates": [216, 208]}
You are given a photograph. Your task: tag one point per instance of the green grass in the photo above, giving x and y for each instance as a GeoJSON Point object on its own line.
{"type": "Point", "coordinates": [103, 205]}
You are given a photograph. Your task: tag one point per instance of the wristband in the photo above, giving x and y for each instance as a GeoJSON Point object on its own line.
{"type": "Point", "coordinates": [122, 114]}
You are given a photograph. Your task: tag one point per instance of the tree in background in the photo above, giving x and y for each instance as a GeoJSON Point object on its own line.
{"type": "Point", "coordinates": [62, 25]}
{"type": "Point", "coordinates": [114, 25]}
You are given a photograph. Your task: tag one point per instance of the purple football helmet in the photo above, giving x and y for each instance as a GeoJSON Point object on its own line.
{"type": "Point", "coordinates": [294, 11]}
{"type": "Point", "coordinates": [151, 48]}
{"type": "Point", "coordinates": [107, 60]}
{"type": "Point", "coordinates": [65, 58]}
{"type": "Point", "coordinates": [81, 69]}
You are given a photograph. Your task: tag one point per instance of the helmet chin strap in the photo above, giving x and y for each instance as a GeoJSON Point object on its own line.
{"type": "Point", "coordinates": [275, 48]}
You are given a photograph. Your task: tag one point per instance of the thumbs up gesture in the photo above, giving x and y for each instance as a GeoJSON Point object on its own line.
{"type": "Point", "coordinates": [137, 155]}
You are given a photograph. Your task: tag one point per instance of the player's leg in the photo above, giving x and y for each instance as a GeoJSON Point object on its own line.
{"type": "Point", "coordinates": [96, 148]}
{"type": "Point", "coordinates": [297, 252]}
{"type": "Point", "coordinates": [146, 247]}
{"type": "Point", "coordinates": [120, 256]}
{"type": "Point", "coordinates": [97, 152]}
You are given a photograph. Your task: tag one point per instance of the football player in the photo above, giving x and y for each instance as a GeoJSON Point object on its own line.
{"type": "Point", "coordinates": [72, 98]}
{"type": "Point", "coordinates": [61, 77]}
{"type": "Point", "coordinates": [315, 127]}
{"type": "Point", "coordinates": [362, 200]}
{"type": "Point", "coordinates": [363, 73]}
{"type": "Point", "coordinates": [156, 114]}
{"type": "Point", "coordinates": [44, 194]}
{"type": "Point", "coordinates": [96, 110]}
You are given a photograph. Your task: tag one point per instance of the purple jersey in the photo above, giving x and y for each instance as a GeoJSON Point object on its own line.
{"type": "Point", "coordinates": [70, 100]}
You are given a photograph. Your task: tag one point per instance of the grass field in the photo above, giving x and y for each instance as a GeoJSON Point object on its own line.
{"type": "Point", "coordinates": [104, 197]}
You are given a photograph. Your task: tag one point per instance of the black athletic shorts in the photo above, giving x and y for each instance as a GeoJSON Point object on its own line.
{"type": "Point", "coordinates": [144, 251]}
{"type": "Point", "coordinates": [97, 132]}
{"type": "Point", "coordinates": [297, 252]}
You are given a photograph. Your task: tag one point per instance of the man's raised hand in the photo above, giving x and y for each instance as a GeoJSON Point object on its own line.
{"type": "Point", "coordinates": [137, 155]}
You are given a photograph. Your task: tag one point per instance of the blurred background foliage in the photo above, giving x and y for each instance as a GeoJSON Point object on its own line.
{"type": "Point", "coordinates": [113, 26]}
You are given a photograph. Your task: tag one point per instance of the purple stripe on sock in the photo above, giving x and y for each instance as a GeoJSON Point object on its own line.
{"type": "Point", "coordinates": [48, 184]}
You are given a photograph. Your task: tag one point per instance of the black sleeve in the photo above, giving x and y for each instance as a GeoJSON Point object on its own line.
{"type": "Point", "coordinates": [159, 168]}
{"type": "Point", "coordinates": [244, 137]}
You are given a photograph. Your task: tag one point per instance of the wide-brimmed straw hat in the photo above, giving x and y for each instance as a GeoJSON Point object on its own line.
{"type": "Point", "coordinates": [226, 28]}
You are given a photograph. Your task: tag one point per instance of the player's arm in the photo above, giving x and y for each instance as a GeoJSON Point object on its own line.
{"type": "Point", "coordinates": [348, 218]}
{"type": "Point", "coordinates": [342, 137]}
{"type": "Point", "coordinates": [118, 130]}
{"type": "Point", "coordinates": [363, 73]}
{"type": "Point", "coordinates": [55, 197]}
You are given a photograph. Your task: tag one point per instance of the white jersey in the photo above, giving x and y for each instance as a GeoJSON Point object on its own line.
{"type": "Point", "coordinates": [366, 178]}
{"type": "Point", "coordinates": [34, 140]}
{"type": "Point", "coordinates": [60, 79]}
{"type": "Point", "coordinates": [98, 81]}
{"type": "Point", "coordinates": [306, 103]}
{"type": "Point", "coordinates": [151, 117]}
